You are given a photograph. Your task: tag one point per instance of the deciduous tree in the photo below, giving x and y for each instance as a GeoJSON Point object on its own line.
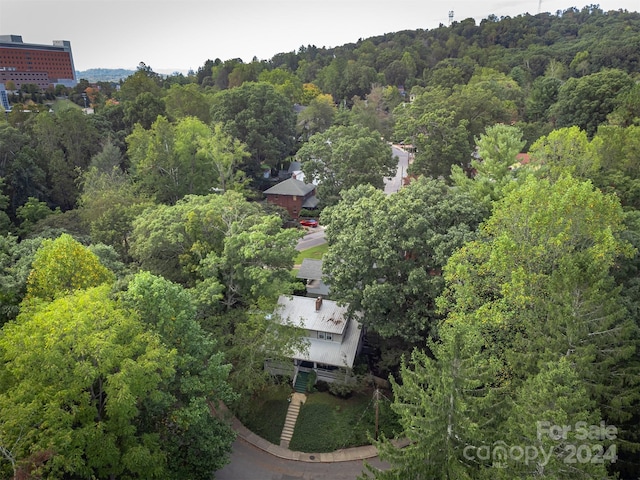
{"type": "Point", "coordinates": [76, 376]}
{"type": "Point", "coordinates": [196, 442]}
{"type": "Point", "coordinates": [343, 157]}
{"type": "Point", "coordinates": [259, 116]}
{"type": "Point", "coordinates": [62, 266]}
{"type": "Point", "coordinates": [586, 101]}
{"type": "Point", "coordinates": [386, 252]}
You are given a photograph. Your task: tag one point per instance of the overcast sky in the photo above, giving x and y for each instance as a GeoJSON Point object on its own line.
{"type": "Point", "coordinates": [178, 35]}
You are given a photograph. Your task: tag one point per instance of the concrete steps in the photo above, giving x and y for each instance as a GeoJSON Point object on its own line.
{"type": "Point", "coordinates": [301, 382]}
{"type": "Point", "coordinates": [297, 400]}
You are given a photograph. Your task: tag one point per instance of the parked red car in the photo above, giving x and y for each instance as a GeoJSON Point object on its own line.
{"type": "Point", "coordinates": [309, 222]}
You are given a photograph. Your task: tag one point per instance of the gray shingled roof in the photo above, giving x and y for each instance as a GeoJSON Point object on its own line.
{"type": "Point", "coordinates": [291, 187]}
{"type": "Point", "coordinates": [310, 269]}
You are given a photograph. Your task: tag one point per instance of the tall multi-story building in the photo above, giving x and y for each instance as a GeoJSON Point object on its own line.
{"type": "Point", "coordinates": [41, 65]}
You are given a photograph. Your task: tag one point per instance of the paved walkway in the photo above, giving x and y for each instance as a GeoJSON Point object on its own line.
{"type": "Point", "coordinates": [342, 455]}
{"type": "Point", "coordinates": [295, 402]}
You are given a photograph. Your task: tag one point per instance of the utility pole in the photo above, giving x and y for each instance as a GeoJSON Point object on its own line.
{"type": "Point", "coordinates": [376, 396]}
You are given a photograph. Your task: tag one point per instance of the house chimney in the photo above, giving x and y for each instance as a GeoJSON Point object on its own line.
{"type": "Point", "coordinates": [318, 303]}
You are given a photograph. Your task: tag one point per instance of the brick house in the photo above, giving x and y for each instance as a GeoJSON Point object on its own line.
{"type": "Point", "coordinates": [293, 195]}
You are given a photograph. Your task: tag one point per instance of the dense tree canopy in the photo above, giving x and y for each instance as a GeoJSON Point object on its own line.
{"type": "Point", "coordinates": [170, 160]}
{"type": "Point", "coordinates": [535, 328]}
{"type": "Point", "coordinates": [541, 305]}
{"type": "Point", "coordinates": [259, 116]}
{"type": "Point", "coordinates": [386, 252]}
{"type": "Point", "coordinates": [344, 157]}
{"type": "Point", "coordinates": [81, 415]}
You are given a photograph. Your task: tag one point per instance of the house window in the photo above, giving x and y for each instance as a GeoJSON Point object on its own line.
{"type": "Point", "coordinates": [325, 336]}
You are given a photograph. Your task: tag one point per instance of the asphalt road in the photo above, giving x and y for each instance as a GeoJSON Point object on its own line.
{"type": "Point", "coordinates": [251, 463]}
{"type": "Point", "coordinates": [393, 184]}
{"type": "Point", "coordinates": [313, 238]}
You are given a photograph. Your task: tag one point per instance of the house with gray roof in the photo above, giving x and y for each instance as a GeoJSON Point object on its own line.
{"type": "Point", "coordinates": [311, 271]}
{"type": "Point", "coordinates": [333, 338]}
{"type": "Point", "coordinates": [293, 195]}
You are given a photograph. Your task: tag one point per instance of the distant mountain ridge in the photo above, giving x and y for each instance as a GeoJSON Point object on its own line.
{"type": "Point", "coordinates": [104, 74]}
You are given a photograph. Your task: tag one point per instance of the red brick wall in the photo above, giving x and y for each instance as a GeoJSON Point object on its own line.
{"type": "Point", "coordinates": [292, 204]}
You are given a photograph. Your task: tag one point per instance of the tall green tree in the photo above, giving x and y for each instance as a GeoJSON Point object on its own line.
{"type": "Point", "coordinates": [171, 241]}
{"type": "Point", "coordinates": [262, 118]}
{"type": "Point", "coordinates": [144, 80]}
{"type": "Point", "coordinates": [316, 117]}
{"type": "Point", "coordinates": [189, 158]}
{"type": "Point", "coordinates": [386, 252]}
{"type": "Point", "coordinates": [68, 140]}
{"type": "Point", "coordinates": [227, 248]}
{"type": "Point", "coordinates": [16, 258]}
{"type": "Point", "coordinates": [586, 101]}
{"type": "Point", "coordinates": [255, 262]}
{"type": "Point", "coordinates": [343, 157]}
{"type": "Point", "coordinates": [553, 397]}
{"type": "Point", "coordinates": [224, 155]}
{"type": "Point", "coordinates": [144, 110]}
{"type": "Point", "coordinates": [566, 150]}
{"type": "Point", "coordinates": [446, 408]}
{"type": "Point", "coordinates": [187, 101]}
{"type": "Point", "coordinates": [109, 203]}
{"type": "Point", "coordinates": [493, 172]}
{"type": "Point", "coordinates": [196, 442]}
{"type": "Point", "coordinates": [286, 82]}
{"type": "Point", "coordinates": [616, 149]}
{"type": "Point", "coordinates": [433, 127]}
{"type": "Point", "coordinates": [539, 279]}
{"type": "Point", "coordinates": [62, 266]}
{"type": "Point", "coordinates": [75, 376]}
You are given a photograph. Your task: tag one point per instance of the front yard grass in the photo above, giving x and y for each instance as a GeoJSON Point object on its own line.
{"type": "Point", "coordinates": [315, 253]}
{"type": "Point", "coordinates": [327, 423]}
{"type": "Point", "coordinates": [266, 416]}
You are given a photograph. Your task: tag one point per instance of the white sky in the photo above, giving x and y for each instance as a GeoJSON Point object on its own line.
{"type": "Point", "coordinates": [177, 35]}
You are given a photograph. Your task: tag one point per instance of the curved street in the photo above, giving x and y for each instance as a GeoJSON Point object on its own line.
{"type": "Point", "coordinates": [252, 463]}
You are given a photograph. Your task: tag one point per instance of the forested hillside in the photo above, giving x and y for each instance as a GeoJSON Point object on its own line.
{"type": "Point", "coordinates": [140, 263]}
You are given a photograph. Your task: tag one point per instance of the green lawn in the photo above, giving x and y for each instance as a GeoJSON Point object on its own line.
{"type": "Point", "coordinates": [327, 423]}
{"type": "Point", "coordinates": [315, 253]}
{"type": "Point", "coordinates": [267, 415]}
{"type": "Point", "coordinates": [60, 105]}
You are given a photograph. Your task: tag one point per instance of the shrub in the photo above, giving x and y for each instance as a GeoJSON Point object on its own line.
{"type": "Point", "coordinates": [342, 390]}
{"type": "Point", "coordinates": [311, 381]}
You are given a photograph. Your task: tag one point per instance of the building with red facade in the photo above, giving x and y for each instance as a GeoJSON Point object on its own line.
{"type": "Point", "coordinates": [293, 195]}
{"type": "Point", "coordinates": [41, 65]}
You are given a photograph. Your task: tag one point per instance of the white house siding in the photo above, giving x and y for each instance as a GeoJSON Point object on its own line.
{"type": "Point", "coordinates": [334, 353]}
